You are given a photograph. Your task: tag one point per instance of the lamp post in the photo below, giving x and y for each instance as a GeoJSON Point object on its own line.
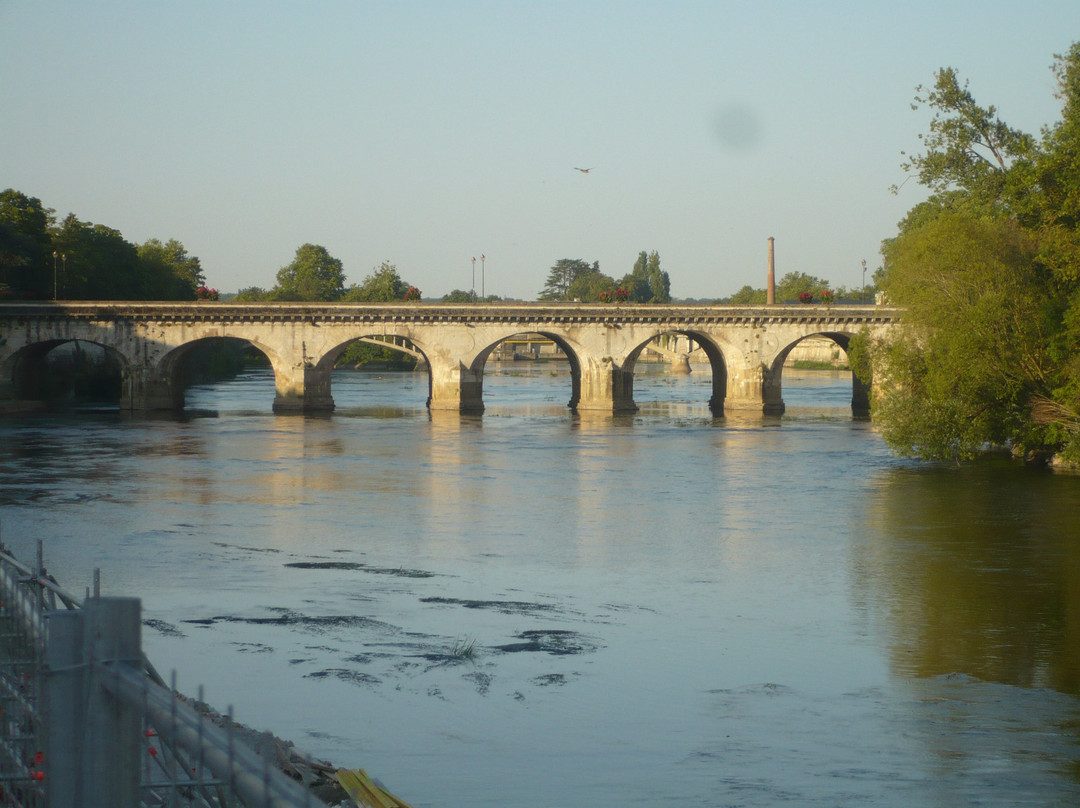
{"type": "Point", "coordinates": [473, 287]}
{"type": "Point", "coordinates": [483, 291]}
{"type": "Point", "coordinates": [863, 290]}
{"type": "Point", "coordinates": [54, 275]}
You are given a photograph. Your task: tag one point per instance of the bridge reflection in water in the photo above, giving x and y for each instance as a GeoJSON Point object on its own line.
{"type": "Point", "coordinates": [745, 346]}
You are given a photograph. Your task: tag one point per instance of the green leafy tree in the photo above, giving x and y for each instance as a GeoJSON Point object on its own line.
{"type": "Point", "coordinates": [647, 283]}
{"type": "Point", "coordinates": [25, 245]}
{"type": "Point", "coordinates": [312, 275]}
{"type": "Point", "coordinates": [458, 296]}
{"type": "Point", "coordinates": [589, 284]}
{"type": "Point", "coordinates": [178, 273]}
{"type": "Point", "coordinates": [383, 285]}
{"type": "Point", "coordinates": [977, 352]}
{"type": "Point", "coordinates": [1054, 211]}
{"type": "Point", "coordinates": [988, 269]}
{"type": "Point", "coordinates": [793, 284]}
{"type": "Point", "coordinates": [100, 264]}
{"type": "Point", "coordinates": [562, 276]}
{"type": "Point", "coordinates": [251, 294]}
{"type": "Point", "coordinates": [748, 296]}
{"type": "Point", "coordinates": [968, 147]}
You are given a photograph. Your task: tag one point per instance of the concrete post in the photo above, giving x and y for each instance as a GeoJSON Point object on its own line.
{"type": "Point", "coordinates": [111, 766]}
{"type": "Point", "coordinates": [63, 710]}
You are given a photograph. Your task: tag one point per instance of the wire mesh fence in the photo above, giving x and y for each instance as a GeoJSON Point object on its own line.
{"type": "Point", "coordinates": [86, 721]}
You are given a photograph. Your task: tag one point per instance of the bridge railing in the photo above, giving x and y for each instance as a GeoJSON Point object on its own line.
{"type": "Point", "coordinates": [86, 722]}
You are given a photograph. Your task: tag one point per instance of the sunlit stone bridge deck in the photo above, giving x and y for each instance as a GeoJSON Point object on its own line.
{"type": "Point", "coordinates": [745, 345]}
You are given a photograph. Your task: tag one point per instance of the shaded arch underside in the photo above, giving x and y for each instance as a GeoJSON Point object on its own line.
{"type": "Point", "coordinates": [28, 377]}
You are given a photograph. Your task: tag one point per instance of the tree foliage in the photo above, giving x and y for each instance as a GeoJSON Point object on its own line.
{"type": "Point", "coordinates": [590, 284]}
{"type": "Point", "coordinates": [40, 259]}
{"type": "Point", "coordinates": [988, 271]}
{"type": "Point", "coordinates": [458, 296]}
{"type": "Point", "coordinates": [312, 275]}
{"type": "Point", "coordinates": [562, 276]}
{"type": "Point", "coordinates": [647, 283]}
{"type": "Point", "coordinates": [968, 146]}
{"type": "Point", "coordinates": [383, 285]}
{"type": "Point", "coordinates": [171, 261]}
{"type": "Point", "coordinates": [788, 289]}
{"type": "Point", "coordinates": [576, 279]}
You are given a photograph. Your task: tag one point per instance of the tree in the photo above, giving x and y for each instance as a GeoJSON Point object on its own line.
{"type": "Point", "coordinates": [25, 245]}
{"type": "Point", "coordinates": [647, 283]}
{"type": "Point", "coordinates": [251, 294]}
{"type": "Point", "coordinates": [171, 262]}
{"type": "Point", "coordinates": [383, 285]}
{"type": "Point", "coordinates": [795, 283]}
{"type": "Point", "coordinates": [989, 270]}
{"type": "Point", "coordinates": [968, 147]}
{"type": "Point", "coordinates": [1055, 210]}
{"type": "Point", "coordinates": [458, 296]}
{"type": "Point", "coordinates": [562, 275]}
{"type": "Point", "coordinates": [99, 264]}
{"type": "Point", "coordinates": [977, 352]}
{"type": "Point", "coordinates": [589, 284]}
{"type": "Point", "coordinates": [313, 275]}
{"type": "Point", "coordinates": [748, 295]}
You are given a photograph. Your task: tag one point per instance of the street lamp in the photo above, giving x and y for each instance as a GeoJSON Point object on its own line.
{"type": "Point", "coordinates": [63, 266]}
{"type": "Point", "coordinates": [473, 287]}
{"type": "Point", "coordinates": [54, 274]}
{"type": "Point", "coordinates": [864, 279]}
{"type": "Point", "coordinates": [483, 291]}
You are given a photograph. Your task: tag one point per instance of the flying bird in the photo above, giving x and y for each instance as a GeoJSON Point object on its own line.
{"type": "Point", "coordinates": [582, 170]}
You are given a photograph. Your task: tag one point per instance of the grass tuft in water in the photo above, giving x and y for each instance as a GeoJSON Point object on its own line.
{"type": "Point", "coordinates": [464, 648]}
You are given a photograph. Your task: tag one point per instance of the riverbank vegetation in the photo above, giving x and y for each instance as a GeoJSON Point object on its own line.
{"type": "Point", "coordinates": [988, 270]}
{"type": "Point", "coordinates": [77, 260]}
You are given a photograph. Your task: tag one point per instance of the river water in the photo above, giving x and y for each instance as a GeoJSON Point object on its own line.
{"type": "Point", "coordinates": [530, 609]}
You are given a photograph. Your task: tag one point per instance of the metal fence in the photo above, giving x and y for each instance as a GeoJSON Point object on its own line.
{"type": "Point", "coordinates": [86, 722]}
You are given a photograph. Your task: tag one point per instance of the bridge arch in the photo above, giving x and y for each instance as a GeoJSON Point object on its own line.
{"type": "Point", "coordinates": [26, 375]}
{"type": "Point", "coordinates": [166, 381]}
{"type": "Point", "coordinates": [706, 343]}
{"type": "Point", "coordinates": [325, 365]}
{"type": "Point", "coordinates": [773, 388]}
{"type": "Point", "coordinates": [494, 339]}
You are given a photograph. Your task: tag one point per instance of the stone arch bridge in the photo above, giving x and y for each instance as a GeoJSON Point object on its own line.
{"type": "Point", "coordinates": [746, 345]}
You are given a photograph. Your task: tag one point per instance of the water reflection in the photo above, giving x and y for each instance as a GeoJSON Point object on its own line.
{"type": "Point", "coordinates": [976, 570]}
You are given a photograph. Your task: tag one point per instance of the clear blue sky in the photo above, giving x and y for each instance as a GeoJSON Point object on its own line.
{"type": "Point", "coordinates": [426, 133]}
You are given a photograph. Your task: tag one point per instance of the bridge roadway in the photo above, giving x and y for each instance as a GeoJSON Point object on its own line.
{"type": "Point", "coordinates": [746, 345]}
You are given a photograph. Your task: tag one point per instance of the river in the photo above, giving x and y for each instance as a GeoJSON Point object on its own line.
{"type": "Point", "coordinates": [529, 608]}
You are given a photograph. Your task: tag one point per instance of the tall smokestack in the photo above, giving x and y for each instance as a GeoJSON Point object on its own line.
{"type": "Point", "coordinates": [770, 292]}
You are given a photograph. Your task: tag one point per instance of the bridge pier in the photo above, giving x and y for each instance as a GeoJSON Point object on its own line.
{"type": "Point", "coordinates": [456, 389]}
{"type": "Point", "coordinates": [141, 392]}
{"type": "Point", "coordinates": [607, 388]}
{"type": "Point", "coordinates": [302, 389]}
{"type": "Point", "coordinates": [860, 397]}
{"type": "Point", "coordinates": [754, 388]}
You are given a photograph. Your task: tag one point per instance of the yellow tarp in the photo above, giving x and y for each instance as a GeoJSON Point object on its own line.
{"type": "Point", "coordinates": [365, 792]}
